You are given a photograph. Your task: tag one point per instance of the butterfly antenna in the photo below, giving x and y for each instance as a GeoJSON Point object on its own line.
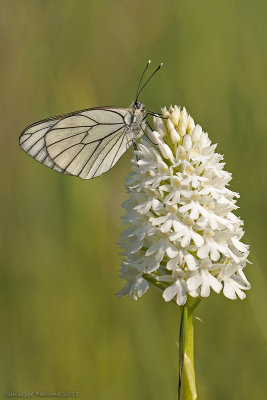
{"type": "Point", "coordinates": [140, 81]}
{"type": "Point", "coordinates": [138, 93]}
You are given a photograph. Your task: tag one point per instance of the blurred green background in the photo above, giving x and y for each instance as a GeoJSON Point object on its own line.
{"type": "Point", "coordinates": [61, 327]}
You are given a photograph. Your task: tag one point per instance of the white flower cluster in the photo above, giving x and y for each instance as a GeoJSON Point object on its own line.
{"type": "Point", "coordinates": [183, 234]}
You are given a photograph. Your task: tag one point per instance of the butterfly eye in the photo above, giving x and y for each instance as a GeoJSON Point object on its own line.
{"type": "Point", "coordinates": [138, 105]}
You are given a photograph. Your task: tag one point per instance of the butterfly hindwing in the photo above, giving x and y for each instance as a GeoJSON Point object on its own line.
{"type": "Point", "coordinates": [32, 141]}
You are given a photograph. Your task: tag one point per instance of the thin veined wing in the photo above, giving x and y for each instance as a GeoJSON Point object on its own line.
{"type": "Point", "coordinates": [32, 141]}
{"type": "Point", "coordinates": [85, 144]}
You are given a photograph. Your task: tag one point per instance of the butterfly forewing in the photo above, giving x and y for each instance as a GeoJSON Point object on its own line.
{"type": "Point", "coordinates": [85, 144]}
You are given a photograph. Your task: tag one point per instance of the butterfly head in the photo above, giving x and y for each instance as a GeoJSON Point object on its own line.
{"type": "Point", "coordinates": [138, 105]}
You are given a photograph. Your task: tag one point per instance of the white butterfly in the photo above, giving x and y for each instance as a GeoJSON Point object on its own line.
{"type": "Point", "coordinates": [89, 142]}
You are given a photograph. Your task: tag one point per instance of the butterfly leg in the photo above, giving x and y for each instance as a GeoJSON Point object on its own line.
{"type": "Point", "coordinates": [135, 148]}
{"type": "Point", "coordinates": [156, 115]}
{"type": "Point", "coordinates": [132, 142]}
{"type": "Point", "coordinates": [148, 124]}
{"type": "Point", "coordinates": [146, 134]}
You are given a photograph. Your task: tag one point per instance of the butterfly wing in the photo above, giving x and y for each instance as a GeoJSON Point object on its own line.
{"type": "Point", "coordinates": [32, 141]}
{"type": "Point", "coordinates": [85, 144]}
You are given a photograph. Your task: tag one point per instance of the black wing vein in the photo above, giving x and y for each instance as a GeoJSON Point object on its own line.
{"type": "Point", "coordinates": [94, 174]}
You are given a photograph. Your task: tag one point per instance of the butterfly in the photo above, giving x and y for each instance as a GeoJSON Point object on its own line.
{"type": "Point", "coordinates": [88, 142]}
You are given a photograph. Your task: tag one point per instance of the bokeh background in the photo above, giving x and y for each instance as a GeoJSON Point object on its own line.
{"type": "Point", "coordinates": [62, 328]}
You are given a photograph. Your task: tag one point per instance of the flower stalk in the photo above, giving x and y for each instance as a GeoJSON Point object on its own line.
{"type": "Point", "coordinates": [187, 380]}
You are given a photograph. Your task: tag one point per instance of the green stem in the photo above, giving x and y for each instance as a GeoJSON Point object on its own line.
{"type": "Point", "coordinates": [189, 384]}
{"type": "Point", "coordinates": [187, 380]}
